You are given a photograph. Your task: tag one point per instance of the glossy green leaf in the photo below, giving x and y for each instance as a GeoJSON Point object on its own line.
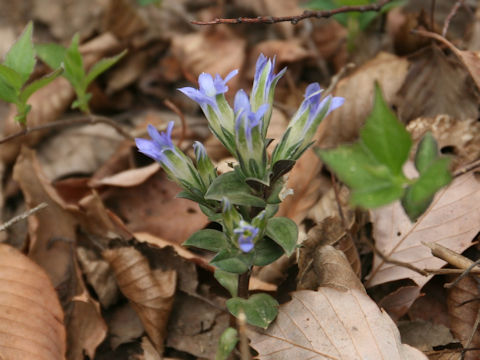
{"type": "Point", "coordinates": [284, 232]}
{"type": "Point", "coordinates": [260, 309]}
{"type": "Point", "coordinates": [228, 280]}
{"type": "Point", "coordinates": [230, 185]}
{"type": "Point", "coordinates": [228, 341]}
{"type": "Point", "coordinates": [427, 152]}
{"type": "Point", "coordinates": [267, 251]}
{"type": "Point", "coordinates": [102, 66]}
{"type": "Point", "coordinates": [385, 137]}
{"type": "Point", "coordinates": [11, 77]}
{"type": "Point", "coordinates": [233, 261]}
{"type": "Point", "coordinates": [51, 54]}
{"type": "Point", "coordinates": [21, 56]}
{"type": "Point", "coordinates": [208, 239]}
{"type": "Point", "coordinates": [38, 84]}
{"type": "Point", "coordinates": [418, 196]}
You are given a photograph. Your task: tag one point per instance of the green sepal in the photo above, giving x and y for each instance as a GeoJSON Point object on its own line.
{"type": "Point", "coordinates": [284, 232]}
{"type": "Point", "coordinates": [228, 280]}
{"type": "Point", "coordinates": [418, 196]}
{"type": "Point", "coordinates": [260, 309]}
{"type": "Point", "coordinates": [266, 252]}
{"type": "Point", "coordinates": [233, 261]}
{"type": "Point", "coordinates": [230, 185]}
{"type": "Point", "coordinates": [208, 239]}
{"type": "Point", "coordinates": [226, 344]}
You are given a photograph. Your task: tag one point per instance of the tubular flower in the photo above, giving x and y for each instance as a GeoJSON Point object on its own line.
{"type": "Point", "coordinates": [175, 163]}
{"type": "Point", "coordinates": [264, 84]}
{"type": "Point", "coordinates": [246, 236]}
{"type": "Point", "coordinates": [249, 139]}
{"type": "Point", "coordinates": [304, 124]}
{"type": "Point", "coordinates": [211, 97]}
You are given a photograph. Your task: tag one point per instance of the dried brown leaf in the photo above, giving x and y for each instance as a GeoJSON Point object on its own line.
{"type": "Point", "coordinates": [463, 309]}
{"type": "Point", "coordinates": [452, 220]}
{"type": "Point", "coordinates": [460, 137]}
{"type": "Point", "coordinates": [344, 123]}
{"type": "Point", "coordinates": [397, 303]}
{"type": "Point", "coordinates": [124, 326]}
{"type": "Point", "coordinates": [436, 84]}
{"type": "Point", "coordinates": [424, 335]}
{"type": "Point", "coordinates": [332, 324]}
{"type": "Point", "coordinates": [32, 318]}
{"type": "Point", "coordinates": [150, 292]}
{"type": "Point", "coordinates": [218, 51]}
{"type": "Point", "coordinates": [128, 178]}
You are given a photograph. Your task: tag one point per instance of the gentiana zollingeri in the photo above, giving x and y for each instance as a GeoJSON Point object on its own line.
{"type": "Point", "coordinates": [244, 200]}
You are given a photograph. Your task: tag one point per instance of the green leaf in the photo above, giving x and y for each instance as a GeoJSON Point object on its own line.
{"type": "Point", "coordinates": [385, 137]}
{"type": "Point", "coordinates": [233, 261]}
{"type": "Point", "coordinates": [418, 196]}
{"type": "Point", "coordinates": [21, 56]}
{"type": "Point", "coordinates": [226, 344]}
{"type": "Point", "coordinates": [228, 280]}
{"type": "Point", "coordinates": [102, 66]}
{"type": "Point", "coordinates": [266, 252]}
{"type": "Point", "coordinates": [284, 232]}
{"type": "Point", "coordinates": [38, 84]}
{"type": "Point", "coordinates": [260, 309]}
{"type": "Point", "coordinates": [74, 71]}
{"type": "Point", "coordinates": [7, 93]}
{"type": "Point", "coordinates": [427, 152]}
{"type": "Point", "coordinates": [51, 54]}
{"type": "Point", "coordinates": [11, 77]}
{"type": "Point", "coordinates": [208, 239]}
{"type": "Point", "coordinates": [230, 185]}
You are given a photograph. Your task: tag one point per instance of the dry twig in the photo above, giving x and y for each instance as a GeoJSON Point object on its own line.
{"type": "Point", "coordinates": [22, 216]}
{"type": "Point", "coordinates": [295, 19]}
{"type": "Point", "coordinates": [450, 16]}
{"type": "Point", "coordinates": [90, 119]}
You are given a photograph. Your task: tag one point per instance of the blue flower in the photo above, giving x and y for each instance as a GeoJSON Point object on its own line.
{"type": "Point", "coordinates": [305, 122]}
{"type": "Point", "coordinates": [211, 98]}
{"type": "Point", "coordinates": [264, 84]}
{"type": "Point", "coordinates": [247, 234]}
{"type": "Point", "coordinates": [249, 139]}
{"type": "Point", "coordinates": [175, 163]}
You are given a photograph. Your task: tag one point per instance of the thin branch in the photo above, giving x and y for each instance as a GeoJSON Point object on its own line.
{"type": "Point", "coordinates": [432, 15]}
{"type": "Point", "coordinates": [464, 273]}
{"type": "Point", "coordinates": [295, 19]}
{"type": "Point", "coordinates": [22, 216]}
{"type": "Point", "coordinates": [450, 16]}
{"type": "Point", "coordinates": [466, 168]}
{"type": "Point", "coordinates": [90, 119]}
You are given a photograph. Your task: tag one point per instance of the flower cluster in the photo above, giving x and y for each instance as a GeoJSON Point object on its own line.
{"type": "Point", "coordinates": [242, 130]}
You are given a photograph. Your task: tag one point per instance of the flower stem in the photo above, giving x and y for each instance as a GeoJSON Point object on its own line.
{"type": "Point", "coordinates": [243, 281]}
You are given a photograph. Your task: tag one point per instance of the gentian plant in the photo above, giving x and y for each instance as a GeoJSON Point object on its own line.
{"type": "Point", "coordinates": [244, 200]}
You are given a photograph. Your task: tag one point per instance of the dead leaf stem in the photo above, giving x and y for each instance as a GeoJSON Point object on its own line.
{"type": "Point", "coordinates": [295, 19]}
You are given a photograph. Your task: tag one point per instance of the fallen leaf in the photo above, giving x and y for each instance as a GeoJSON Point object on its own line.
{"type": "Point", "coordinates": [332, 324]}
{"type": "Point", "coordinates": [424, 335]}
{"type": "Point", "coordinates": [458, 137]}
{"type": "Point", "coordinates": [124, 326]}
{"type": "Point", "coordinates": [153, 207]}
{"type": "Point", "coordinates": [452, 220]}
{"type": "Point", "coordinates": [345, 122]}
{"type": "Point", "coordinates": [128, 178]}
{"type": "Point", "coordinates": [397, 303]}
{"type": "Point", "coordinates": [463, 310]}
{"type": "Point", "coordinates": [150, 292]}
{"type": "Point", "coordinates": [32, 318]}
{"type": "Point", "coordinates": [435, 85]}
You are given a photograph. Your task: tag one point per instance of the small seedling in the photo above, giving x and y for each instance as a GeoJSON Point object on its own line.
{"type": "Point", "coordinates": [15, 72]}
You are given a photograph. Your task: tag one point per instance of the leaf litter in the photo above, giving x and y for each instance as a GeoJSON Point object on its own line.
{"type": "Point", "coordinates": [107, 252]}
